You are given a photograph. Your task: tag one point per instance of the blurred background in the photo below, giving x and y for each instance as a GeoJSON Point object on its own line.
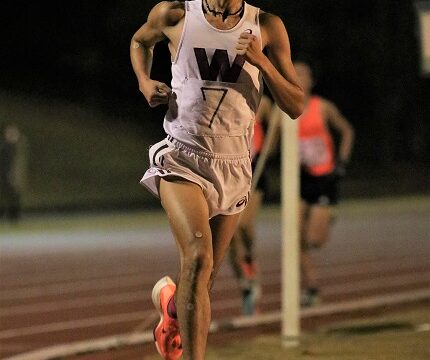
{"type": "Point", "coordinates": [83, 130]}
{"type": "Point", "coordinates": [67, 82]}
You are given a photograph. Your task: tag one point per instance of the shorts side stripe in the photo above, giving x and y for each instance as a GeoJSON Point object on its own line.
{"type": "Point", "coordinates": [165, 146]}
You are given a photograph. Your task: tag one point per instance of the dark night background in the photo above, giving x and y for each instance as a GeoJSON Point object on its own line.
{"type": "Point", "coordinates": [365, 55]}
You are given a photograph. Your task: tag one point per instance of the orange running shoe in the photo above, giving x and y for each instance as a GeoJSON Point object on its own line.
{"type": "Point", "coordinates": [166, 333]}
{"type": "Point", "coordinates": [251, 288]}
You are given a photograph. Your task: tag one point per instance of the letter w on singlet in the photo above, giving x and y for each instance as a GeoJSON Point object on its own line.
{"type": "Point", "coordinates": [220, 65]}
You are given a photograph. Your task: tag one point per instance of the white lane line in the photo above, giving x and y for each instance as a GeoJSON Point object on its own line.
{"type": "Point", "coordinates": [148, 317]}
{"type": "Point", "coordinates": [117, 341]}
{"type": "Point", "coordinates": [81, 302]}
{"type": "Point", "coordinates": [275, 297]}
{"type": "Point", "coordinates": [217, 305]}
{"type": "Point", "coordinates": [80, 263]}
{"type": "Point", "coordinates": [329, 271]}
{"type": "Point", "coordinates": [74, 324]}
{"type": "Point", "coordinates": [422, 328]}
{"type": "Point", "coordinates": [326, 309]}
{"type": "Point", "coordinates": [76, 286]}
{"type": "Point", "coordinates": [147, 322]}
{"type": "Point", "coordinates": [378, 283]}
{"type": "Point", "coordinates": [15, 347]}
{"type": "Point", "coordinates": [120, 282]}
{"type": "Point", "coordinates": [80, 270]}
{"type": "Point", "coordinates": [382, 281]}
{"type": "Point", "coordinates": [81, 285]}
{"type": "Point", "coordinates": [85, 347]}
{"type": "Point", "coordinates": [72, 275]}
{"type": "Point", "coordinates": [324, 271]}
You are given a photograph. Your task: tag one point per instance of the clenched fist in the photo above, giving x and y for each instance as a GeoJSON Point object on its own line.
{"type": "Point", "coordinates": [249, 46]}
{"type": "Point", "coordinates": [155, 92]}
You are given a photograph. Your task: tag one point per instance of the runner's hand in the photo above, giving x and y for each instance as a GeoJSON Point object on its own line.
{"type": "Point", "coordinates": [249, 46]}
{"type": "Point", "coordinates": [156, 92]}
{"type": "Point", "coordinates": [340, 169]}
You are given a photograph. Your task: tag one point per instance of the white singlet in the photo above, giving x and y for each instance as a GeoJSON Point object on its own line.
{"type": "Point", "coordinates": [216, 92]}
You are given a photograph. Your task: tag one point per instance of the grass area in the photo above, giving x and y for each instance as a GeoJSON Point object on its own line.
{"type": "Point", "coordinates": [367, 339]}
{"type": "Point", "coordinates": [77, 156]}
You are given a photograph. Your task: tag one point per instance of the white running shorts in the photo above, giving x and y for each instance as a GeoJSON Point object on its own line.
{"type": "Point", "coordinates": [224, 179]}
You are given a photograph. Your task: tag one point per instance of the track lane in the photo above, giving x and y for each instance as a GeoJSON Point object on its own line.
{"type": "Point", "coordinates": [70, 294]}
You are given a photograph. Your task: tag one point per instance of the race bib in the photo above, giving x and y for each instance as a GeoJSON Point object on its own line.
{"type": "Point", "coordinates": [313, 152]}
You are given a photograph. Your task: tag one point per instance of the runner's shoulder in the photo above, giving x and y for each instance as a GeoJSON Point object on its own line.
{"type": "Point", "coordinates": [272, 27]}
{"type": "Point", "coordinates": [268, 20]}
{"type": "Point", "coordinates": [168, 12]}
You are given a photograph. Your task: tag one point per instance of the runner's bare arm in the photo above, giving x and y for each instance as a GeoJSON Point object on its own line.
{"type": "Point", "coordinates": [335, 119]}
{"type": "Point", "coordinates": [162, 16]}
{"type": "Point", "coordinates": [277, 69]}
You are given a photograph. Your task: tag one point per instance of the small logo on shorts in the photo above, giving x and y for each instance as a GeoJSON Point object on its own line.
{"type": "Point", "coordinates": [242, 202]}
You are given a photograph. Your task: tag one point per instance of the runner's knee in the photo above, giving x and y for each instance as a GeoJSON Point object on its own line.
{"type": "Point", "coordinates": [198, 264]}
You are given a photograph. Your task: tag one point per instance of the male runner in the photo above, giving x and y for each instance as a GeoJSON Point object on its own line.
{"type": "Point", "coordinates": [321, 169]}
{"type": "Point", "coordinates": [202, 170]}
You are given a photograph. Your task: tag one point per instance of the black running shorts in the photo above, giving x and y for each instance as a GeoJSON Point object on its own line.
{"type": "Point", "coordinates": [319, 190]}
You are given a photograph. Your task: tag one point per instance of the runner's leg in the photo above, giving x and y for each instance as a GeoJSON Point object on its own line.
{"type": "Point", "coordinates": [189, 221]}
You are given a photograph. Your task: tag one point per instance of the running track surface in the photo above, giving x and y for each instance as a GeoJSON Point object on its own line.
{"type": "Point", "coordinates": [81, 283]}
